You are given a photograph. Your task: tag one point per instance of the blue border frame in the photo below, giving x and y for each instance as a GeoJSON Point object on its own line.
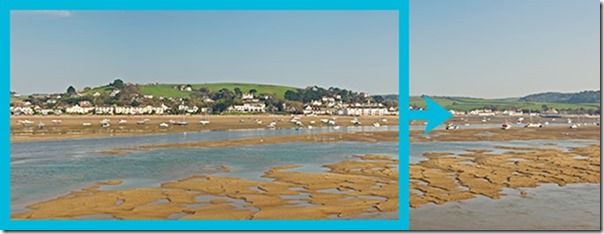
{"type": "Point", "coordinates": [402, 6]}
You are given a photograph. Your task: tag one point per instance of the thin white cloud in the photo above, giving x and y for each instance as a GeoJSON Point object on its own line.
{"type": "Point", "coordinates": [53, 13]}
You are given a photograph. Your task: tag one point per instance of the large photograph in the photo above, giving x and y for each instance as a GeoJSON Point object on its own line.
{"type": "Point", "coordinates": [522, 80]}
{"type": "Point", "coordinates": [204, 115]}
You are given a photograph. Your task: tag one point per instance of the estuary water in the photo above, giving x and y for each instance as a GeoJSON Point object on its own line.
{"type": "Point", "coordinates": [47, 169]}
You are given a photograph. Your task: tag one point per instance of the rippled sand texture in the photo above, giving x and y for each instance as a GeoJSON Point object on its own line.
{"type": "Point", "coordinates": [445, 177]}
{"type": "Point", "coordinates": [350, 188]}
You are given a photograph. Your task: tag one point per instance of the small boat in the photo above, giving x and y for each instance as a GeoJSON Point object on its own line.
{"type": "Point", "coordinates": [355, 122]}
{"type": "Point", "coordinates": [104, 121]}
{"type": "Point", "coordinates": [105, 124]}
{"type": "Point", "coordinates": [533, 125]}
{"type": "Point", "coordinates": [204, 122]}
{"type": "Point", "coordinates": [506, 126]}
{"type": "Point", "coordinates": [384, 120]}
{"type": "Point", "coordinates": [310, 127]}
{"type": "Point", "coordinates": [466, 124]}
{"type": "Point", "coordinates": [171, 121]}
{"type": "Point", "coordinates": [141, 122]}
{"type": "Point", "coordinates": [451, 127]}
{"type": "Point", "coordinates": [325, 121]}
{"type": "Point", "coordinates": [376, 124]}
{"type": "Point", "coordinates": [26, 122]}
{"type": "Point", "coordinates": [272, 125]}
{"type": "Point", "coordinates": [41, 125]}
{"type": "Point", "coordinates": [574, 126]}
{"type": "Point", "coordinates": [122, 121]}
{"type": "Point", "coordinates": [56, 121]}
{"type": "Point", "coordinates": [86, 124]}
{"type": "Point", "coordinates": [163, 125]}
{"type": "Point", "coordinates": [331, 122]}
{"type": "Point", "coordinates": [181, 123]}
{"type": "Point", "coordinates": [312, 122]}
{"type": "Point", "coordinates": [336, 127]}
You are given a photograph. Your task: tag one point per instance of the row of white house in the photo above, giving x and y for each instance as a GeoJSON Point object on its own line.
{"type": "Point", "coordinates": [249, 107]}
{"type": "Point", "coordinates": [119, 110]}
{"type": "Point", "coordinates": [368, 111]}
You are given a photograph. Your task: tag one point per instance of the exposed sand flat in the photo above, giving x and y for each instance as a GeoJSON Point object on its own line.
{"type": "Point", "coordinates": [351, 188]}
{"type": "Point", "coordinates": [495, 134]}
{"type": "Point", "coordinates": [70, 126]}
{"type": "Point", "coordinates": [445, 177]}
{"type": "Point", "coordinates": [370, 137]}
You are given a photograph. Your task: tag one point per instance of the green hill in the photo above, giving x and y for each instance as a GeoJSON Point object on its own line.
{"type": "Point", "coordinates": [169, 90]}
{"type": "Point", "coordinates": [587, 96]}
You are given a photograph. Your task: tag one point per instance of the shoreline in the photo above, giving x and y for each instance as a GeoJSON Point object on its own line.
{"type": "Point", "coordinates": [71, 126]}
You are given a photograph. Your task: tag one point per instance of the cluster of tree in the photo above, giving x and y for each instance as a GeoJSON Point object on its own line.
{"type": "Point", "coordinates": [218, 101]}
{"type": "Point", "coordinates": [316, 93]}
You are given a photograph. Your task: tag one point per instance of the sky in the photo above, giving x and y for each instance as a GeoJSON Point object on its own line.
{"type": "Point", "coordinates": [357, 50]}
{"type": "Point", "coordinates": [503, 48]}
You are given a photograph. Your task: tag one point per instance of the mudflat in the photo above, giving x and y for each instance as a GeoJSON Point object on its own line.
{"type": "Point", "coordinates": [496, 134]}
{"type": "Point", "coordinates": [446, 177]}
{"type": "Point", "coordinates": [370, 137]}
{"type": "Point", "coordinates": [365, 186]}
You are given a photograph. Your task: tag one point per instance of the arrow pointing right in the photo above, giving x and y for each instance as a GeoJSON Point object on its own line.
{"type": "Point", "coordinates": [434, 114]}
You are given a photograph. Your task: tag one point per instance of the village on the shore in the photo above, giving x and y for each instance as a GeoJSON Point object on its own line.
{"type": "Point", "coordinates": [119, 98]}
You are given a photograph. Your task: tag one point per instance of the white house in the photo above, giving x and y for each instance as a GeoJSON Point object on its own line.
{"type": "Point", "coordinates": [249, 107]}
{"type": "Point", "coordinates": [77, 109]}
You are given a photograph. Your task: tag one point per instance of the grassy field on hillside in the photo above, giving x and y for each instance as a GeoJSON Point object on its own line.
{"type": "Point", "coordinates": [466, 104]}
{"type": "Point", "coordinates": [168, 90]}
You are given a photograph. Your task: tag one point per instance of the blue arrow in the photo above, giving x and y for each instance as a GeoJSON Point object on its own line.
{"type": "Point", "coordinates": [434, 114]}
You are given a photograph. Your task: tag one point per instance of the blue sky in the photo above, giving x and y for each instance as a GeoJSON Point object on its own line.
{"type": "Point", "coordinates": [503, 48]}
{"type": "Point", "coordinates": [51, 50]}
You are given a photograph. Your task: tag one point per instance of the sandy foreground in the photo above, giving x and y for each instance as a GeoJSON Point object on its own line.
{"type": "Point", "coordinates": [71, 126]}
{"type": "Point", "coordinates": [350, 188]}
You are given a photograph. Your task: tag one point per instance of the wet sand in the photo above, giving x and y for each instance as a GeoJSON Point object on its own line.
{"type": "Point", "coordinates": [547, 207]}
{"type": "Point", "coordinates": [445, 177]}
{"type": "Point", "coordinates": [71, 125]}
{"type": "Point", "coordinates": [369, 137]}
{"type": "Point", "coordinates": [508, 188]}
{"type": "Point", "coordinates": [352, 188]}
{"type": "Point", "coordinates": [496, 134]}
